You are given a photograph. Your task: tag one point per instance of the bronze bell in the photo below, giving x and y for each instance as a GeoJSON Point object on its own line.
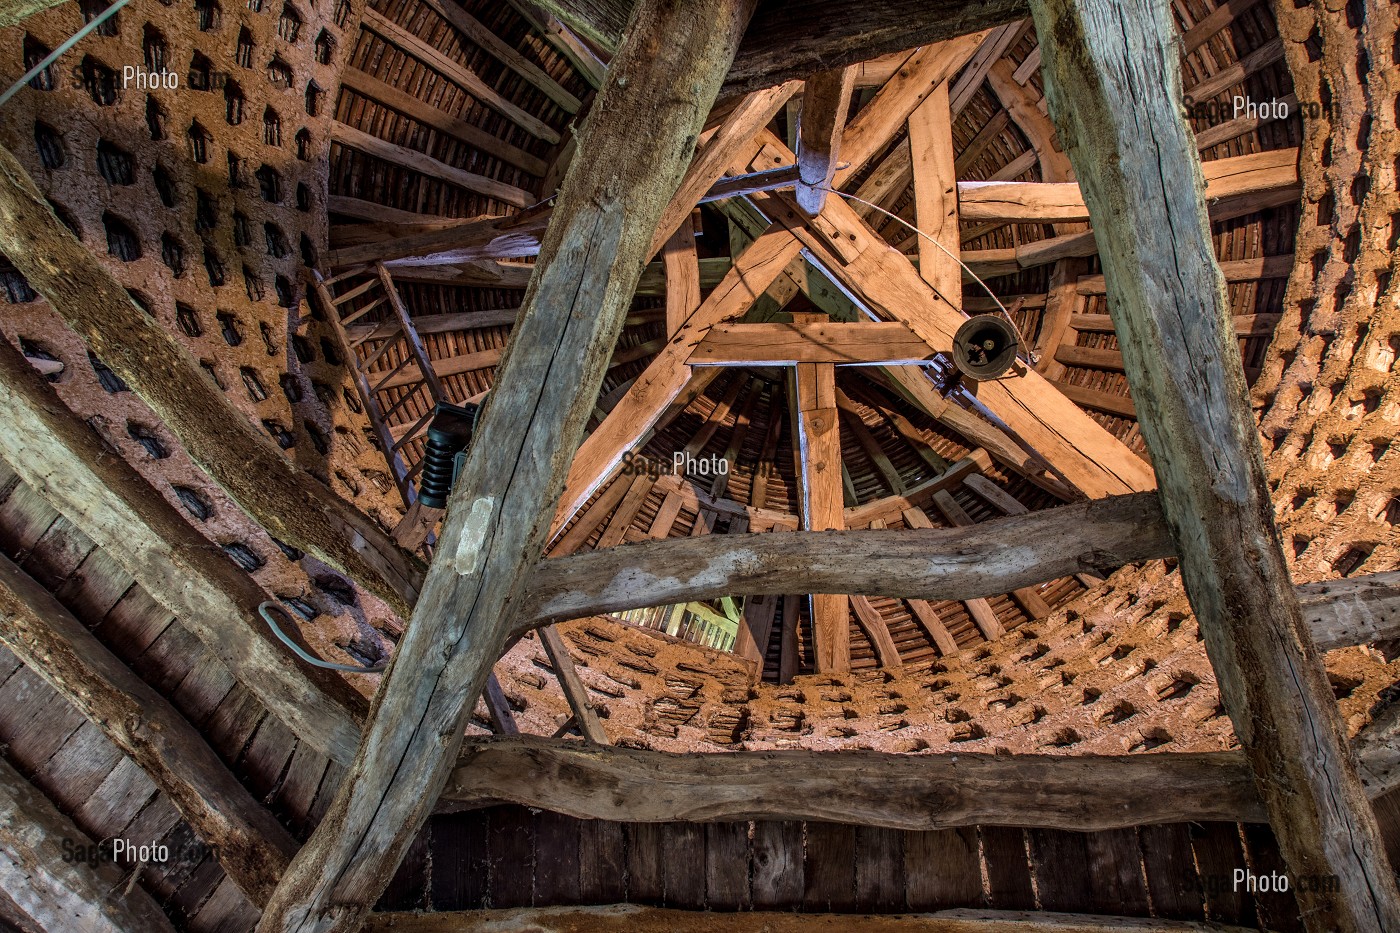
{"type": "Point", "coordinates": [985, 347]}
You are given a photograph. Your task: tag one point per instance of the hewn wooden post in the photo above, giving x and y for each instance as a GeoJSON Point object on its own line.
{"type": "Point", "coordinates": [664, 79]}
{"type": "Point", "coordinates": [1113, 78]}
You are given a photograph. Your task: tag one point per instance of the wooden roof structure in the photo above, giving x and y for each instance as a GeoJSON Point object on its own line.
{"type": "Point", "coordinates": [745, 609]}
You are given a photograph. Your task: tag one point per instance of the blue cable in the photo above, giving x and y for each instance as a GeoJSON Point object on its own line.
{"type": "Point", "coordinates": [302, 653]}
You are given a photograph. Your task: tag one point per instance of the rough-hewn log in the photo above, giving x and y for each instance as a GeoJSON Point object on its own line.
{"type": "Point", "coordinates": [253, 848]}
{"type": "Point", "coordinates": [1357, 611]}
{"type": "Point", "coordinates": [987, 559]}
{"type": "Point", "coordinates": [64, 460]}
{"type": "Point", "coordinates": [630, 918]}
{"type": "Point", "coordinates": [1112, 72]}
{"type": "Point", "coordinates": [920, 792]}
{"type": "Point", "coordinates": [291, 504]}
{"type": "Point", "coordinates": [59, 894]}
{"type": "Point", "coordinates": [665, 77]}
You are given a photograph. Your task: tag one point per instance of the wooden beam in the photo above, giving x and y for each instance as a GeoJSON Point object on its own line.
{"type": "Point", "coordinates": [1234, 270]}
{"type": "Point", "coordinates": [682, 278]}
{"type": "Point", "coordinates": [1112, 68]}
{"type": "Point", "coordinates": [458, 73]}
{"type": "Point", "coordinates": [884, 280]}
{"type": "Point", "coordinates": [513, 237]}
{"type": "Point", "coordinates": [59, 893]}
{"type": "Point", "coordinates": [871, 344]}
{"type": "Point", "coordinates": [817, 442]}
{"type": "Point", "coordinates": [425, 164]}
{"type": "Point", "coordinates": [508, 55]}
{"type": "Point", "coordinates": [625, 918]}
{"type": "Point", "coordinates": [732, 142]}
{"type": "Point", "coordinates": [826, 100]}
{"type": "Point", "coordinates": [369, 86]}
{"type": "Point", "coordinates": [873, 625]}
{"type": "Point", "coordinates": [977, 607]}
{"type": "Point", "coordinates": [987, 559]}
{"type": "Point", "coordinates": [497, 521]}
{"type": "Point", "coordinates": [253, 848]}
{"type": "Point", "coordinates": [585, 716]}
{"type": "Point", "coordinates": [580, 54]}
{"type": "Point", "coordinates": [1081, 793]}
{"type": "Point", "coordinates": [291, 504]}
{"type": "Point", "coordinates": [1050, 202]}
{"type": "Point", "coordinates": [58, 454]}
{"type": "Point", "coordinates": [936, 194]}
{"type": "Point", "coordinates": [789, 40]}
{"type": "Point", "coordinates": [667, 376]}
{"type": "Point", "coordinates": [883, 118]}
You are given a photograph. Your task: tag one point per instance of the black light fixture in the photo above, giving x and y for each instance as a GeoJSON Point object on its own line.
{"type": "Point", "coordinates": [449, 435]}
{"type": "Point", "coordinates": [985, 347]}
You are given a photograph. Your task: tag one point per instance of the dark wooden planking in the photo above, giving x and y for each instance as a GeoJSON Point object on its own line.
{"type": "Point", "coordinates": [602, 862]}
{"type": "Point", "coordinates": [510, 850]}
{"type": "Point", "coordinates": [252, 846]}
{"type": "Point", "coordinates": [778, 869]}
{"type": "Point", "coordinates": [829, 868]}
{"type": "Point", "coordinates": [1218, 854]}
{"type": "Point", "coordinates": [727, 853]}
{"type": "Point", "coordinates": [683, 865]}
{"type": "Point", "coordinates": [558, 861]}
{"type": "Point", "coordinates": [942, 869]}
{"type": "Point", "coordinates": [880, 877]}
{"type": "Point", "coordinates": [1059, 860]}
{"type": "Point", "coordinates": [63, 894]}
{"type": "Point", "coordinates": [1008, 869]}
{"type": "Point", "coordinates": [458, 873]}
{"type": "Point", "coordinates": [1278, 910]}
{"type": "Point", "coordinates": [410, 887]}
{"type": "Point", "coordinates": [1172, 880]}
{"type": "Point", "coordinates": [646, 856]}
{"type": "Point", "coordinates": [1116, 873]}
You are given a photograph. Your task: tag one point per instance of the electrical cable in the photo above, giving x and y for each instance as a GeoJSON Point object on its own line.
{"type": "Point", "coordinates": [263, 610]}
{"type": "Point", "coordinates": [53, 56]}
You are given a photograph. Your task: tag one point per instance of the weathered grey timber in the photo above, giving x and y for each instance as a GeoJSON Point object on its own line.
{"type": "Point", "coordinates": [665, 77]}
{"type": "Point", "coordinates": [253, 848]}
{"type": "Point", "coordinates": [1112, 73]}
{"type": "Point", "coordinates": [988, 559]}
{"type": "Point", "coordinates": [63, 896]}
{"type": "Point", "coordinates": [918, 792]}
{"type": "Point", "coordinates": [64, 460]}
{"type": "Point", "coordinates": [287, 501]}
